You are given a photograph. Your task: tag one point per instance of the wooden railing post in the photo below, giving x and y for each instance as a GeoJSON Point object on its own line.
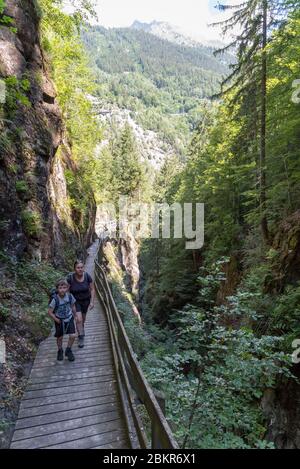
{"type": "Point", "coordinates": [161, 399]}
{"type": "Point", "coordinates": [155, 440]}
{"type": "Point", "coordinates": [131, 381]}
{"type": "Point", "coordinates": [155, 429]}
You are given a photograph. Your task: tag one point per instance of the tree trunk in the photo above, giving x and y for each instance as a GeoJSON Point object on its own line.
{"type": "Point", "coordinates": [262, 169]}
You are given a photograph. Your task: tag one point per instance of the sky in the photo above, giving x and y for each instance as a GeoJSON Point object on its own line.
{"type": "Point", "coordinates": [192, 16]}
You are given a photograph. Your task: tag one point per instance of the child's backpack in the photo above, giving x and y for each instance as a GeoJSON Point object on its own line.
{"type": "Point", "coordinates": [54, 295]}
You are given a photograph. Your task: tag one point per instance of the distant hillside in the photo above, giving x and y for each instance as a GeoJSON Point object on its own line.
{"type": "Point", "coordinates": [174, 34]}
{"type": "Point", "coordinates": [165, 31]}
{"type": "Point", "coordinates": [161, 83]}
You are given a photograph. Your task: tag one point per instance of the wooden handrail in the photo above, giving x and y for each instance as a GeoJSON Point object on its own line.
{"type": "Point", "coordinates": [132, 383]}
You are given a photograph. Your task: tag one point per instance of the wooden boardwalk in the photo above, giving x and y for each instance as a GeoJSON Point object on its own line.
{"type": "Point", "coordinates": [73, 405]}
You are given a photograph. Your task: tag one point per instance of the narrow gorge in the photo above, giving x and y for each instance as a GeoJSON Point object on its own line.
{"type": "Point", "coordinates": [92, 114]}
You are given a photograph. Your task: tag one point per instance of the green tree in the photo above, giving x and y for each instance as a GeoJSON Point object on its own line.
{"type": "Point", "coordinates": [128, 171]}
{"type": "Point", "coordinates": [257, 20]}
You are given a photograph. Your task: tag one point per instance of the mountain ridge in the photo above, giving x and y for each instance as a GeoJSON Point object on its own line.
{"type": "Point", "coordinates": [161, 84]}
{"type": "Point", "coordinates": [175, 34]}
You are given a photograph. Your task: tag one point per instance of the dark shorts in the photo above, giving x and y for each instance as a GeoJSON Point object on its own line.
{"type": "Point", "coordinates": [82, 305]}
{"type": "Point", "coordinates": [68, 328]}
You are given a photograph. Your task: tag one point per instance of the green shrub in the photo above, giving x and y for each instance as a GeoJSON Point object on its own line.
{"type": "Point", "coordinates": [218, 372]}
{"type": "Point", "coordinates": [22, 187]}
{"type": "Point", "coordinates": [13, 168]}
{"type": "Point", "coordinates": [285, 319]}
{"type": "Point", "coordinates": [4, 19]}
{"type": "Point", "coordinates": [16, 94]}
{"type": "Point", "coordinates": [32, 223]}
{"type": "Point", "coordinates": [36, 280]}
{"type": "Point", "coordinates": [5, 141]}
{"type": "Point", "coordinates": [4, 312]}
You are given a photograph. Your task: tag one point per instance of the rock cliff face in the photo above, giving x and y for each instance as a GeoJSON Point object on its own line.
{"type": "Point", "coordinates": [126, 256]}
{"type": "Point", "coordinates": [151, 147]}
{"type": "Point", "coordinates": [287, 245]}
{"type": "Point", "coordinates": [281, 408]}
{"type": "Point", "coordinates": [35, 216]}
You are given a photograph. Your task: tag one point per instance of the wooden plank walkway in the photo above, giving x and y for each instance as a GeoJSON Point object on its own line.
{"type": "Point", "coordinates": [73, 404]}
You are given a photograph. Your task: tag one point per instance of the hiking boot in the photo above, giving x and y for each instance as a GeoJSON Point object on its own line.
{"type": "Point", "coordinates": [60, 354]}
{"type": "Point", "coordinates": [69, 354]}
{"type": "Point", "coordinates": [81, 341]}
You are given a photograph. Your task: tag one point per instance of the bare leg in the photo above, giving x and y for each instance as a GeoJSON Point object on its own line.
{"type": "Point", "coordinates": [71, 340]}
{"type": "Point", "coordinates": [59, 342]}
{"type": "Point", "coordinates": [83, 319]}
{"type": "Point", "coordinates": [80, 329]}
{"type": "Point", "coordinates": [69, 352]}
{"type": "Point", "coordinates": [79, 323]}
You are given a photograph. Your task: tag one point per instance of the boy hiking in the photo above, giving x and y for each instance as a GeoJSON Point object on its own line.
{"type": "Point", "coordinates": [62, 310]}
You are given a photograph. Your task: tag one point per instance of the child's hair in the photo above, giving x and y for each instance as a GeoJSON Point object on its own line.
{"type": "Point", "coordinates": [77, 262]}
{"type": "Point", "coordinates": [62, 281]}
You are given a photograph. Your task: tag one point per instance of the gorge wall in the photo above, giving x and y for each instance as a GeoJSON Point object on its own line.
{"type": "Point", "coordinates": [37, 220]}
{"type": "Point", "coordinates": [35, 214]}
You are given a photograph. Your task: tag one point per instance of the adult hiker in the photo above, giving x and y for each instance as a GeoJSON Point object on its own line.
{"type": "Point", "coordinates": [83, 290]}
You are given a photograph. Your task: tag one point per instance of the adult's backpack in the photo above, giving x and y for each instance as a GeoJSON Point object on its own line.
{"type": "Point", "coordinates": [70, 277]}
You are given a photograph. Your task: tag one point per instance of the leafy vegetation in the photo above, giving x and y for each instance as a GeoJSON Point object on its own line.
{"type": "Point", "coordinates": [25, 292]}
{"type": "Point", "coordinates": [4, 19]}
{"type": "Point", "coordinates": [74, 82]}
{"type": "Point", "coordinates": [32, 222]}
{"type": "Point", "coordinates": [16, 94]}
{"type": "Point", "coordinates": [212, 376]}
{"type": "Point", "coordinates": [22, 187]}
{"type": "Point", "coordinates": [222, 172]}
{"type": "Point", "coordinates": [233, 339]}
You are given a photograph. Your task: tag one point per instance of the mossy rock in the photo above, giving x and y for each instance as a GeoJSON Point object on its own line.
{"type": "Point", "coordinates": [293, 241]}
